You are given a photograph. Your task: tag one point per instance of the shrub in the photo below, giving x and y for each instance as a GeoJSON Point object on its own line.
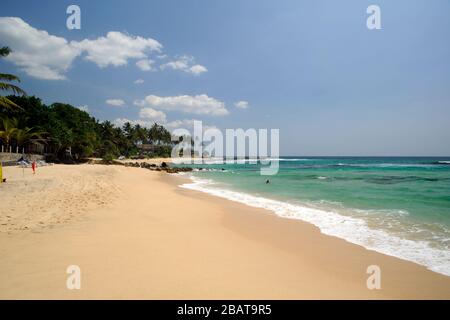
{"type": "Point", "coordinates": [108, 158]}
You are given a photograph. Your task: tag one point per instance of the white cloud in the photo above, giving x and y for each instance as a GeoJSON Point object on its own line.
{"type": "Point", "coordinates": [241, 104]}
{"type": "Point", "coordinates": [36, 52]}
{"type": "Point", "coordinates": [145, 64]}
{"type": "Point", "coordinates": [139, 81]}
{"type": "Point", "coordinates": [185, 63]}
{"type": "Point", "coordinates": [45, 56]}
{"type": "Point", "coordinates": [175, 65]}
{"type": "Point", "coordinates": [199, 104]}
{"type": "Point", "coordinates": [83, 108]}
{"type": "Point", "coordinates": [197, 69]}
{"type": "Point", "coordinates": [186, 124]}
{"type": "Point", "coordinates": [115, 102]}
{"type": "Point", "coordinates": [116, 48]}
{"type": "Point", "coordinates": [152, 114]}
{"type": "Point", "coordinates": [49, 57]}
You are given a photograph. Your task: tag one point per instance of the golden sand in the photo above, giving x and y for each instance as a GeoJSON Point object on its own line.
{"type": "Point", "coordinates": [136, 235]}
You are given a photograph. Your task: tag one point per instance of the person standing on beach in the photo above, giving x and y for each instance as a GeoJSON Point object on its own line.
{"type": "Point", "coordinates": [33, 166]}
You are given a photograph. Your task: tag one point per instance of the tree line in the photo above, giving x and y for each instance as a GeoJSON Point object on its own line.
{"type": "Point", "coordinates": [66, 132]}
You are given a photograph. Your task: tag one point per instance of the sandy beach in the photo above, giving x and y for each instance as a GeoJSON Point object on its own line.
{"type": "Point", "coordinates": [136, 234]}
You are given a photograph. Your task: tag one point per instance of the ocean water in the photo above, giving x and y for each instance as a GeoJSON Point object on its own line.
{"type": "Point", "coordinates": [396, 206]}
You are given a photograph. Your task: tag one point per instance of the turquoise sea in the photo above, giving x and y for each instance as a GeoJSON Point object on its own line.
{"type": "Point", "coordinates": [394, 205]}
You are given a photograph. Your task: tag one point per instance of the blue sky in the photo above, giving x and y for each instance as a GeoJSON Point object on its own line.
{"type": "Point", "coordinates": [310, 68]}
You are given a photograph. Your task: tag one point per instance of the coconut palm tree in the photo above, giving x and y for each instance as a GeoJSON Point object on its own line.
{"type": "Point", "coordinates": [10, 133]}
{"type": "Point", "coordinates": [5, 86]}
{"type": "Point", "coordinates": [8, 129]}
{"type": "Point", "coordinates": [28, 135]}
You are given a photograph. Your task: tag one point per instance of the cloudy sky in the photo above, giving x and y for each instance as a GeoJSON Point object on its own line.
{"type": "Point", "coordinates": [310, 68]}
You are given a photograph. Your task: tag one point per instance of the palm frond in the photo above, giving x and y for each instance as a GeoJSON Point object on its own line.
{"type": "Point", "coordinates": [9, 77]}
{"type": "Point", "coordinates": [28, 135]}
{"type": "Point", "coordinates": [8, 104]}
{"type": "Point", "coordinates": [6, 86]}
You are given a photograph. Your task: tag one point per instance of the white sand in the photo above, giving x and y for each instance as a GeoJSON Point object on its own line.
{"type": "Point", "coordinates": [135, 234]}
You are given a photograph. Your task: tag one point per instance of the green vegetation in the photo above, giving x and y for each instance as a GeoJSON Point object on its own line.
{"type": "Point", "coordinates": [12, 132]}
{"type": "Point", "coordinates": [69, 134]}
{"type": "Point", "coordinates": [6, 103]}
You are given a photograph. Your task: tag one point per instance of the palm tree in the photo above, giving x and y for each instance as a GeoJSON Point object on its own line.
{"type": "Point", "coordinates": [5, 86]}
{"type": "Point", "coordinates": [8, 130]}
{"type": "Point", "coordinates": [158, 134]}
{"type": "Point", "coordinates": [28, 135]}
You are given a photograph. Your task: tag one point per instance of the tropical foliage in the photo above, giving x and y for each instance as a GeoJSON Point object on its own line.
{"type": "Point", "coordinates": [7, 86]}
{"type": "Point", "coordinates": [13, 134]}
{"type": "Point", "coordinates": [69, 133]}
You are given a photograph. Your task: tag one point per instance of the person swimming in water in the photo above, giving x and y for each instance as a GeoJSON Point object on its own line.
{"type": "Point", "coordinates": [267, 181]}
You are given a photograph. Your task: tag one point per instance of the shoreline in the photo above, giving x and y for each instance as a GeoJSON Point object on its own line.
{"type": "Point", "coordinates": [400, 271]}
{"type": "Point", "coordinates": [334, 224]}
{"type": "Point", "coordinates": [151, 239]}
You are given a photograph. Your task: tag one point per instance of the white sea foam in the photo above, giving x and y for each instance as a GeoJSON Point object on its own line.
{"type": "Point", "coordinates": [352, 229]}
{"type": "Point", "coordinates": [234, 161]}
{"type": "Point", "coordinates": [388, 165]}
{"type": "Point", "coordinates": [287, 159]}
